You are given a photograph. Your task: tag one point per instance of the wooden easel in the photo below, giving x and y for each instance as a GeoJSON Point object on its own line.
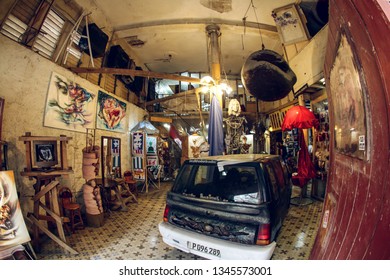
{"type": "Point", "coordinates": [46, 189]}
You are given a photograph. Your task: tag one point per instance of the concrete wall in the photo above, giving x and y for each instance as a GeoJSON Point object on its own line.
{"type": "Point", "coordinates": [24, 81]}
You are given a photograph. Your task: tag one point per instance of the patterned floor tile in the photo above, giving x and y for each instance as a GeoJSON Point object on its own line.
{"type": "Point", "coordinates": [134, 235]}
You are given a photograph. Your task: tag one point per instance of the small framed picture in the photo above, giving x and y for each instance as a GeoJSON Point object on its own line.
{"type": "Point", "coordinates": [291, 24]}
{"type": "Point", "coordinates": [45, 154]}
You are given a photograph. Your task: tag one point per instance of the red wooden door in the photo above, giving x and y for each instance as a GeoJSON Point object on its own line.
{"type": "Point", "coordinates": [356, 215]}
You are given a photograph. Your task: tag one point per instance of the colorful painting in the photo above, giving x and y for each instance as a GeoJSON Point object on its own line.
{"type": "Point", "coordinates": [348, 99]}
{"type": "Point", "coordinates": [151, 145]}
{"type": "Point", "coordinates": [111, 113]}
{"type": "Point", "coordinates": [69, 105]}
{"type": "Point", "coordinates": [138, 143]}
{"type": "Point", "coordinates": [13, 230]}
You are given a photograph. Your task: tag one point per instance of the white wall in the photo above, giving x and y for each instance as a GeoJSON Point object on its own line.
{"type": "Point", "coordinates": [24, 81]}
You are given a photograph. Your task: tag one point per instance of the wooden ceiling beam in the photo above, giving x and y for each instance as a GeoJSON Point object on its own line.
{"type": "Point", "coordinates": [132, 72]}
{"type": "Point", "coordinates": [173, 96]}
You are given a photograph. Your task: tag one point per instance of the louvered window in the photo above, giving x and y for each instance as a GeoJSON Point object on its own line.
{"type": "Point", "coordinates": [47, 38]}
{"type": "Point", "coordinates": [14, 28]}
{"type": "Point", "coordinates": [22, 25]}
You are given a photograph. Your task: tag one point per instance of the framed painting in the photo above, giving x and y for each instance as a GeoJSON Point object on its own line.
{"type": "Point", "coordinates": [290, 24]}
{"type": "Point", "coordinates": [13, 230]}
{"type": "Point", "coordinates": [348, 102]}
{"type": "Point", "coordinates": [69, 105]}
{"type": "Point", "coordinates": [151, 145]}
{"type": "Point", "coordinates": [111, 113]}
{"type": "Point", "coordinates": [137, 141]}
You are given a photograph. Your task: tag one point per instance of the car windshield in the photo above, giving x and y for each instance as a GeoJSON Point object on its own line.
{"type": "Point", "coordinates": [238, 183]}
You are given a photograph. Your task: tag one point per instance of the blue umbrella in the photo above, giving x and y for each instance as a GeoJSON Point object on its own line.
{"type": "Point", "coordinates": [215, 128]}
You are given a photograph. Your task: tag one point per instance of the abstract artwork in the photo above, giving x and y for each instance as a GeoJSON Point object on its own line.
{"type": "Point", "coordinates": [13, 230]}
{"type": "Point", "coordinates": [111, 113]}
{"type": "Point", "coordinates": [69, 105]}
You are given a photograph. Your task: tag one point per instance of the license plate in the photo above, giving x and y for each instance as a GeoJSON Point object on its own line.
{"type": "Point", "coordinates": [203, 249]}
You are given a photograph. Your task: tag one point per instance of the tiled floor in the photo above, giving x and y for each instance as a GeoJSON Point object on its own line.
{"type": "Point", "coordinates": [134, 235]}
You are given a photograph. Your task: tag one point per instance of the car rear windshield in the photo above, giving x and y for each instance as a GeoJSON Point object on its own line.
{"type": "Point", "coordinates": [239, 183]}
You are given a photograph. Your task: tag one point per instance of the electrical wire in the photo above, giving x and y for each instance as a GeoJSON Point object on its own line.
{"type": "Point", "coordinates": [257, 21]}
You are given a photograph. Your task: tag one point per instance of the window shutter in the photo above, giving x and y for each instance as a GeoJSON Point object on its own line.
{"type": "Point", "coordinates": [47, 39]}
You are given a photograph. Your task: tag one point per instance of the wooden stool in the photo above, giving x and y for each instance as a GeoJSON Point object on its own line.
{"type": "Point", "coordinates": [71, 208]}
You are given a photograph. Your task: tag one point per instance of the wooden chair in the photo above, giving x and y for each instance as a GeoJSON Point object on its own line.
{"type": "Point", "coordinates": [71, 209]}
{"type": "Point", "coordinates": [129, 179]}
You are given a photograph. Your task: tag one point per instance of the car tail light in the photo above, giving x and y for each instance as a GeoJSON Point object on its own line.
{"type": "Point", "coordinates": [263, 234]}
{"type": "Point", "coordinates": [166, 211]}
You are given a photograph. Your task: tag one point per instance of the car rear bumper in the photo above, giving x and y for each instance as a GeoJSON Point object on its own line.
{"type": "Point", "coordinates": [180, 238]}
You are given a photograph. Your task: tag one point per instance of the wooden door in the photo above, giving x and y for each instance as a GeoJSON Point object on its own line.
{"type": "Point", "coordinates": [356, 214]}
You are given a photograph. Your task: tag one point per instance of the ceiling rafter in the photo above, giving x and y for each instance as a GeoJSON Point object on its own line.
{"type": "Point", "coordinates": [203, 21]}
{"type": "Point", "coordinates": [132, 72]}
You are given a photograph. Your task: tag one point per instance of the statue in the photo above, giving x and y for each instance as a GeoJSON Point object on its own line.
{"type": "Point", "coordinates": [234, 127]}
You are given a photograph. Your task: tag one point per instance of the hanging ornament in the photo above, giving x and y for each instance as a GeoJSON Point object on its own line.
{"type": "Point", "coordinates": [267, 76]}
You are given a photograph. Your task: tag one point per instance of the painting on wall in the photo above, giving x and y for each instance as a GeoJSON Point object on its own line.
{"type": "Point", "coordinates": [151, 145]}
{"type": "Point", "coordinates": [138, 168]}
{"type": "Point", "coordinates": [348, 99]}
{"type": "Point", "coordinates": [290, 24]}
{"type": "Point", "coordinates": [111, 113]}
{"type": "Point", "coordinates": [152, 160]}
{"type": "Point", "coordinates": [69, 105]}
{"type": "Point", "coordinates": [13, 230]}
{"type": "Point", "coordinates": [138, 143]}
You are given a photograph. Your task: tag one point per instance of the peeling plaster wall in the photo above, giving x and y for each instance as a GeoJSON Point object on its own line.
{"type": "Point", "coordinates": [24, 81]}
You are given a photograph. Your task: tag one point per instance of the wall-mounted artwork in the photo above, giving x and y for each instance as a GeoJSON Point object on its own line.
{"type": "Point", "coordinates": [111, 113]}
{"type": "Point", "coordinates": [69, 105]}
{"type": "Point", "coordinates": [138, 143]}
{"type": "Point", "coordinates": [45, 154]}
{"type": "Point", "coordinates": [348, 99]}
{"type": "Point", "coordinates": [13, 230]}
{"type": "Point", "coordinates": [138, 168]}
{"type": "Point", "coordinates": [152, 160]}
{"type": "Point", "coordinates": [151, 145]}
{"type": "Point", "coordinates": [290, 25]}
